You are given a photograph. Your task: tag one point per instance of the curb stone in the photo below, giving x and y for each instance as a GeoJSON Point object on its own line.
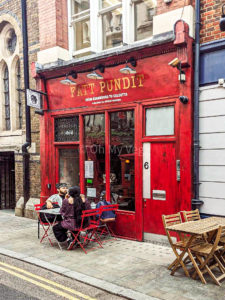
{"type": "Point", "coordinates": [98, 283]}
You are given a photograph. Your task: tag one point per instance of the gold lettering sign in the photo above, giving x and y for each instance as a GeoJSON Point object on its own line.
{"type": "Point", "coordinates": [108, 86]}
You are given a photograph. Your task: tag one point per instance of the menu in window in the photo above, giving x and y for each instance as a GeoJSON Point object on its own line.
{"type": "Point", "coordinates": [89, 169]}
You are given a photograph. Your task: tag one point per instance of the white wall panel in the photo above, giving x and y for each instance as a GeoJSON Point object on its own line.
{"type": "Point", "coordinates": [212, 151]}
{"type": "Point", "coordinates": [212, 173]}
{"type": "Point", "coordinates": [213, 206]}
{"type": "Point", "coordinates": [212, 108]}
{"type": "Point", "coordinates": [212, 124]}
{"type": "Point", "coordinates": [212, 93]}
{"type": "Point", "coordinates": [212, 190]}
{"type": "Point", "coordinates": [212, 141]}
{"type": "Point", "coordinates": [212, 157]}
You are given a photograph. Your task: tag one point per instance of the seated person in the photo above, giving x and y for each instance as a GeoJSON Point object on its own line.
{"type": "Point", "coordinates": [59, 197]}
{"type": "Point", "coordinates": [71, 211]}
{"type": "Point", "coordinates": [49, 204]}
{"type": "Point", "coordinates": [106, 216]}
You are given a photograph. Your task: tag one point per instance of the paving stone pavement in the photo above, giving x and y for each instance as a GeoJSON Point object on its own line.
{"type": "Point", "coordinates": [137, 270]}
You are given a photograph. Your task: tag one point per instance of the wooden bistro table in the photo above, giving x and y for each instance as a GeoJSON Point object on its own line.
{"type": "Point", "coordinates": [193, 229]}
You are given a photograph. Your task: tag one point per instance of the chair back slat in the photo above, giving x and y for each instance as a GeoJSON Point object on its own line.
{"type": "Point", "coordinates": [169, 220]}
{"type": "Point", "coordinates": [192, 215]}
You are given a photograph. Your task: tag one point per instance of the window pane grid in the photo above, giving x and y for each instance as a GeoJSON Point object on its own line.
{"type": "Point", "coordinates": [7, 100]}
{"type": "Point", "coordinates": [19, 102]}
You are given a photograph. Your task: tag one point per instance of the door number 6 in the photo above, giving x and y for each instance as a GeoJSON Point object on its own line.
{"type": "Point", "coordinates": [146, 165]}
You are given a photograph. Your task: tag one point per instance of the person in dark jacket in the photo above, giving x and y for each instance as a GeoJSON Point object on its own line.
{"type": "Point", "coordinates": [71, 211]}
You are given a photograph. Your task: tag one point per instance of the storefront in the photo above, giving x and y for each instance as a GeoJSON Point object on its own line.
{"type": "Point", "coordinates": [127, 134]}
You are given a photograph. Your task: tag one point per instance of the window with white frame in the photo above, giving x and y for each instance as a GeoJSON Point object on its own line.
{"type": "Point", "coordinates": [80, 21]}
{"type": "Point", "coordinates": [103, 24]}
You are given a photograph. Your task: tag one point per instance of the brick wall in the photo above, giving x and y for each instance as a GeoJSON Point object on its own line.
{"type": "Point", "coordinates": [53, 16]}
{"type": "Point", "coordinates": [210, 17]}
{"type": "Point", "coordinates": [12, 9]}
{"type": "Point", "coordinates": [162, 7]}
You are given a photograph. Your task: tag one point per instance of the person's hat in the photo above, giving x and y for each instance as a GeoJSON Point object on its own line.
{"type": "Point", "coordinates": [60, 185]}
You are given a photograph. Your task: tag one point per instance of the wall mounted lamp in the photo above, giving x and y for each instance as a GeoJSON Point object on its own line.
{"type": "Point", "coordinates": [222, 20]}
{"type": "Point", "coordinates": [176, 63]}
{"type": "Point", "coordinates": [95, 75]}
{"type": "Point", "coordinates": [67, 80]}
{"type": "Point", "coordinates": [127, 69]}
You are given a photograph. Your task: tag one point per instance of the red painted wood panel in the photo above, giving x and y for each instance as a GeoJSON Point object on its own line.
{"type": "Point", "coordinates": [163, 178]}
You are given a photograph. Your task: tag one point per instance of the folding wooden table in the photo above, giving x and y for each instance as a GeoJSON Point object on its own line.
{"type": "Point", "coordinates": [193, 229]}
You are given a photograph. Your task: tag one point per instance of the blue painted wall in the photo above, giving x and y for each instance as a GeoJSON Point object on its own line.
{"type": "Point", "coordinates": [212, 62]}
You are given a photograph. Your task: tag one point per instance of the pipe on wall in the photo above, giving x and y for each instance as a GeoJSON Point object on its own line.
{"type": "Point", "coordinates": [196, 202]}
{"type": "Point", "coordinates": [25, 153]}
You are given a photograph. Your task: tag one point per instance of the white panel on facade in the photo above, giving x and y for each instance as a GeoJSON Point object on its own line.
{"type": "Point", "coordinates": [212, 190]}
{"type": "Point", "coordinates": [212, 141]}
{"type": "Point", "coordinates": [212, 157]}
{"type": "Point", "coordinates": [212, 124]}
{"type": "Point", "coordinates": [212, 108]}
{"type": "Point", "coordinates": [146, 170]}
{"type": "Point", "coordinates": [212, 93]}
{"type": "Point", "coordinates": [213, 206]}
{"type": "Point", "coordinates": [212, 173]}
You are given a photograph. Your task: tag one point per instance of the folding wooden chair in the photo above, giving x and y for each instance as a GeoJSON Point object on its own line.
{"type": "Point", "coordinates": [192, 215]}
{"type": "Point", "coordinates": [169, 220]}
{"type": "Point", "coordinates": [103, 228]}
{"type": "Point", "coordinates": [208, 258]}
{"type": "Point", "coordinates": [45, 225]}
{"type": "Point", "coordinates": [87, 233]}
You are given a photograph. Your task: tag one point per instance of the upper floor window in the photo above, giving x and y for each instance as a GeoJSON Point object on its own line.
{"type": "Point", "coordinates": [104, 24]}
{"type": "Point", "coordinates": [7, 99]}
{"type": "Point", "coordinates": [80, 19]}
{"type": "Point", "coordinates": [143, 18]}
{"type": "Point", "coordinates": [10, 79]}
{"type": "Point", "coordinates": [112, 27]}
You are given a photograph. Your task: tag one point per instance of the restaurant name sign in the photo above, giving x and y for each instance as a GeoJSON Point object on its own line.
{"type": "Point", "coordinates": [112, 90]}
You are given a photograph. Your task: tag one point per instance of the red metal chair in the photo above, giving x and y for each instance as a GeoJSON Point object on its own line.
{"type": "Point", "coordinates": [45, 225]}
{"type": "Point", "coordinates": [103, 228]}
{"type": "Point", "coordinates": [87, 234]}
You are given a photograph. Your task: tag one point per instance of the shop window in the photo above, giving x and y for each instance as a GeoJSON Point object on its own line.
{"type": "Point", "coordinates": [143, 18]}
{"type": "Point", "coordinates": [69, 166]}
{"type": "Point", "coordinates": [122, 159]}
{"type": "Point", "coordinates": [160, 121]}
{"type": "Point", "coordinates": [80, 21]}
{"type": "Point", "coordinates": [67, 129]}
{"type": "Point", "coordinates": [7, 99]}
{"type": "Point", "coordinates": [112, 27]}
{"type": "Point", "coordinates": [94, 142]}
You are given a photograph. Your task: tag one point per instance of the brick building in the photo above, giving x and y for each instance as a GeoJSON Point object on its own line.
{"type": "Point", "coordinates": [12, 105]}
{"type": "Point", "coordinates": [212, 110]}
{"type": "Point", "coordinates": [118, 116]}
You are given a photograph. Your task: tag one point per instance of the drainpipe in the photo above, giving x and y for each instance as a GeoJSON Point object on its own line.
{"type": "Point", "coordinates": [25, 153]}
{"type": "Point", "coordinates": [196, 202]}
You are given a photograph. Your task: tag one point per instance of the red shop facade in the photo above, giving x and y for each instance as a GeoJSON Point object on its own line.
{"type": "Point", "coordinates": [129, 135]}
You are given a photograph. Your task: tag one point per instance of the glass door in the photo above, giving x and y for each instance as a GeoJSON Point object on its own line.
{"type": "Point", "coordinates": [68, 160]}
{"type": "Point", "coordinates": [122, 171]}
